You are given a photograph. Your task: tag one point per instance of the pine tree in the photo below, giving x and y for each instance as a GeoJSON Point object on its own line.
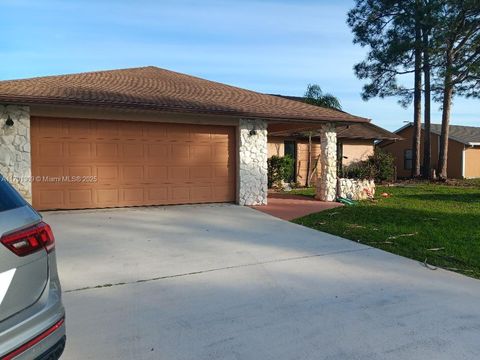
{"type": "Point", "coordinates": [391, 30]}
{"type": "Point", "coordinates": [456, 41]}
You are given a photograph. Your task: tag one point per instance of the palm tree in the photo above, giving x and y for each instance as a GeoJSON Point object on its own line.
{"type": "Point", "coordinates": [315, 96]}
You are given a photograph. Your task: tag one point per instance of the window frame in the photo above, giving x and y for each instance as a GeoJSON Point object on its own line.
{"type": "Point", "coordinates": [407, 159]}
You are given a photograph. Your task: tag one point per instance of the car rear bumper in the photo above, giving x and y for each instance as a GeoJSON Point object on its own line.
{"type": "Point", "coordinates": [48, 345]}
{"type": "Point", "coordinates": [35, 322]}
{"type": "Point", "coordinates": [55, 351]}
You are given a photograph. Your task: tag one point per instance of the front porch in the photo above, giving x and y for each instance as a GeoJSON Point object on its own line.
{"type": "Point", "coordinates": [320, 154]}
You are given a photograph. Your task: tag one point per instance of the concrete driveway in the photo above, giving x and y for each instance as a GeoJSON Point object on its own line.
{"type": "Point", "coordinates": [228, 282]}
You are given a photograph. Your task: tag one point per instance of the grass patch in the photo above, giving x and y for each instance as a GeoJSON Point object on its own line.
{"type": "Point", "coordinates": [310, 192]}
{"type": "Point", "coordinates": [438, 224]}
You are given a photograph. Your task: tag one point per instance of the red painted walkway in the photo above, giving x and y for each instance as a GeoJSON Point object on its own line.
{"type": "Point", "coordinates": [289, 207]}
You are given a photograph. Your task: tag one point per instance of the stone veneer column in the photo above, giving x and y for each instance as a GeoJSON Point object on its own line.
{"type": "Point", "coordinates": [252, 162]}
{"type": "Point", "coordinates": [15, 151]}
{"type": "Point", "coordinates": [326, 189]}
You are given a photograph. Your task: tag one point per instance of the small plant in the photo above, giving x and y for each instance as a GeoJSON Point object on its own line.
{"type": "Point", "coordinates": [280, 169]}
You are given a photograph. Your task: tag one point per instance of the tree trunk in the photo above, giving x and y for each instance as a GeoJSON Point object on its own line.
{"type": "Point", "coordinates": [443, 156]}
{"type": "Point", "coordinates": [427, 148]}
{"type": "Point", "coordinates": [417, 97]}
{"type": "Point", "coordinates": [447, 104]}
{"type": "Point", "coordinates": [309, 159]}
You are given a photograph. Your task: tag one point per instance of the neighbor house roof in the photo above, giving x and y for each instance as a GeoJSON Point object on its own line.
{"type": "Point", "coordinates": [153, 88]}
{"type": "Point", "coordinates": [468, 135]}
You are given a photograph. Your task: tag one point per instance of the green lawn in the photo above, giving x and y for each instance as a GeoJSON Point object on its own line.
{"type": "Point", "coordinates": [436, 224]}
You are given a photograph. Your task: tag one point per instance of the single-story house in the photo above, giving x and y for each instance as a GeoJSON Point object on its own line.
{"type": "Point", "coordinates": [355, 142]}
{"type": "Point", "coordinates": [149, 136]}
{"type": "Point", "coordinates": [463, 150]}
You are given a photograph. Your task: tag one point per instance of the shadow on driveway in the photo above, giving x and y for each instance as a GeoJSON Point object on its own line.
{"type": "Point", "coordinates": [233, 283]}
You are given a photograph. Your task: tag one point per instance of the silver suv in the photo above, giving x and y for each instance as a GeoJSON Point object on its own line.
{"type": "Point", "coordinates": [32, 317]}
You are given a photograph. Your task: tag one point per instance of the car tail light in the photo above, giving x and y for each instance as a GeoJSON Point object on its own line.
{"type": "Point", "coordinates": [30, 240]}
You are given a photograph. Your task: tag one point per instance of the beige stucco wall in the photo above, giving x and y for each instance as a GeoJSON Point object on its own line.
{"type": "Point", "coordinates": [356, 150]}
{"type": "Point", "coordinates": [472, 162]}
{"type": "Point", "coordinates": [276, 146]}
{"type": "Point", "coordinates": [398, 148]}
{"type": "Point", "coordinates": [455, 153]}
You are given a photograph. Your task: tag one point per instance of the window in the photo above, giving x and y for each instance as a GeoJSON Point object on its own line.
{"type": "Point", "coordinates": [291, 150]}
{"type": "Point", "coordinates": [408, 159]}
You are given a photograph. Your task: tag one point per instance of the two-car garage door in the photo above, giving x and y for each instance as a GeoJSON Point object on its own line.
{"type": "Point", "coordinates": [82, 163]}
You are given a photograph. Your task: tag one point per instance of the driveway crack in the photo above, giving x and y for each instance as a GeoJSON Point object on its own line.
{"type": "Point", "coordinates": [192, 273]}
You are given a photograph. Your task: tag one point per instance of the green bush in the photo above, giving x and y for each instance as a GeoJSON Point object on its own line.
{"type": "Point", "coordinates": [385, 164]}
{"type": "Point", "coordinates": [359, 170]}
{"type": "Point", "coordinates": [379, 167]}
{"type": "Point", "coordinates": [280, 169]}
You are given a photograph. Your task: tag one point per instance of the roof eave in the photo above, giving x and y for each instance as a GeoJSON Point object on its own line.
{"type": "Point", "coordinates": [377, 138]}
{"type": "Point", "coordinates": [403, 128]}
{"type": "Point", "coordinates": [20, 100]}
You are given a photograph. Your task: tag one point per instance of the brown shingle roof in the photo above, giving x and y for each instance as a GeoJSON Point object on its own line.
{"type": "Point", "coordinates": [153, 88]}
{"type": "Point", "coordinates": [366, 132]}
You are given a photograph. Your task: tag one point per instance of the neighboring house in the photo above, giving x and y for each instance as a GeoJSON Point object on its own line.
{"type": "Point", "coordinates": [463, 150]}
{"type": "Point", "coordinates": [355, 143]}
{"type": "Point", "coordinates": [148, 136]}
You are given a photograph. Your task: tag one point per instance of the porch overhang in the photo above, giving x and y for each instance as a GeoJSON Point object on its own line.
{"type": "Point", "coordinates": [358, 131]}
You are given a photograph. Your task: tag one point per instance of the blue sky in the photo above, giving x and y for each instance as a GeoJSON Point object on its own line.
{"type": "Point", "coordinates": [272, 46]}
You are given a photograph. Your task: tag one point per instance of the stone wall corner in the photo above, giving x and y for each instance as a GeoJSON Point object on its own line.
{"type": "Point", "coordinates": [252, 179]}
{"type": "Point", "coordinates": [15, 148]}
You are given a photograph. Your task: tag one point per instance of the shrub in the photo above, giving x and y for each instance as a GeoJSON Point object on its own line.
{"type": "Point", "coordinates": [359, 170]}
{"type": "Point", "coordinates": [384, 162]}
{"type": "Point", "coordinates": [379, 167]}
{"type": "Point", "coordinates": [280, 169]}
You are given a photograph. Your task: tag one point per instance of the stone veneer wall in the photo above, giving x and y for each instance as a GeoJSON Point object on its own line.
{"type": "Point", "coordinates": [355, 189]}
{"type": "Point", "coordinates": [15, 158]}
{"type": "Point", "coordinates": [252, 162]}
{"type": "Point", "coordinates": [327, 181]}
